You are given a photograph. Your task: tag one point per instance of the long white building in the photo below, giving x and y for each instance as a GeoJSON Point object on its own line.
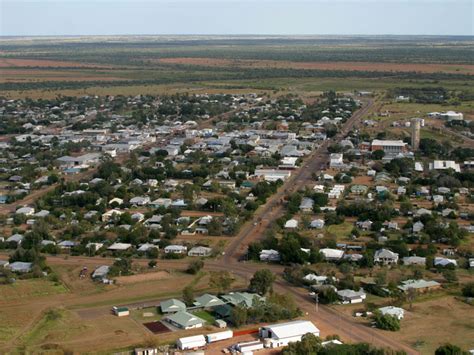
{"type": "Point", "coordinates": [277, 335]}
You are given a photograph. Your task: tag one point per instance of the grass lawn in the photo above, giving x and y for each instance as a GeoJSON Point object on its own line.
{"type": "Point", "coordinates": [209, 318]}
{"type": "Point", "coordinates": [138, 314]}
{"type": "Point", "coordinates": [341, 231]}
{"type": "Point", "coordinates": [24, 289]}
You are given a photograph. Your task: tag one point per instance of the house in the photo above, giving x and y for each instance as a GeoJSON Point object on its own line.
{"type": "Point", "coordinates": [282, 334]}
{"type": "Point", "coordinates": [420, 286]}
{"type": "Point", "coordinates": [244, 299]}
{"type": "Point", "coordinates": [208, 301]}
{"type": "Point", "coordinates": [332, 254]}
{"type": "Point", "coordinates": [145, 247]}
{"type": "Point", "coordinates": [291, 224]}
{"type": "Point", "coordinates": [414, 260]}
{"type": "Point", "coordinates": [20, 267]}
{"type": "Point", "coordinates": [272, 174]}
{"type": "Point", "coordinates": [116, 200]}
{"type": "Point", "coordinates": [80, 161]}
{"type": "Point", "coordinates": [317, 224]}
{"type": "Point", "coordinates": [418, 227]}
{"type": "Point", "coordinates": [351, 296]}
{"type": "Point", "coordinates": [385, 257]}
{"type": "Point", "coordinates": [315, 279]}
{"type": "Point", "coordinates": [440, 165]}
{"type": "Point", "coordinates": [175, 249]}
{"type": "Point", "coordinates": [27, 211]}
{"type": "Point", "coordinates": [171, 306]}
{"type": "Point", "coordinates": [200, 251]}
{"type": "Point", "coordinates": [185, 320]}
{"type": "Point", "coordinates": [107, 216]}
{"type": "Point", "coordinates": [119, 246]}
{"type": "Point", "coordinates": [67, 244]}
{"type": "Point", "coordinates": [15, 238]}
{"type": "Point", "coordinates": [359, 189]}
{"type": "Point", "coordinates": [306, 204]}
{"type": "Point", "coordinates": [443, 262]}
{"type": "Point", "coordinates": [336, 160]}
{"type": "Point", "coordinates": [161, 202]}
{"type": "Point", "coordinates": [269, 255]}
{"type": "Point", "coordinates": [101, 272]}
{"type": "Point", "coordinates": [471, 263]}
{"type": "Point", "coordinates": [396, 312]}
{"type": "Point", "coordinates": [140, 200]}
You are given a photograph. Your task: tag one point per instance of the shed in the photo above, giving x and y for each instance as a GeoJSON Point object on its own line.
{"type": "Point", "coordinates": [192, 342]}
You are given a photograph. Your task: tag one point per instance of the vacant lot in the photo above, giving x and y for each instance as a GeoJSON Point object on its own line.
{"type": "Point", "coordinates": [350, 66]}
{"type": "Point", "coordinates": [25, 289]}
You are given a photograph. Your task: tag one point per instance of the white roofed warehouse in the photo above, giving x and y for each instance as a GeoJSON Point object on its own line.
{"type": "Point", "coordinates": [278, 335]}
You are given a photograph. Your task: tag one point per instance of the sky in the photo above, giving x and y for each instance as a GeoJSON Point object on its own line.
{"type": "Point", "coordinates": [260, 17]}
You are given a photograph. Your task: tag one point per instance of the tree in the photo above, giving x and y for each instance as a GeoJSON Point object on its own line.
{"type": "Point", "coordinates": [386, 322]}
{"type": "Point", "coordinates": [194, 267]}
{"type": "Point", "coordinates": [450, 275]}
{"type": "Point", "coordinates": [450, 349]}
{"type": "Point", "coordinates": [378, 154]}
{"type": "Point", "coordinates": [411, 296]}
{"type": "Point", "coordinates": [221, 280]}
{"type": "Point", "coordinates": [262, 281]}
{"type": "Point", "coordinates": [468, 290]}
{"type": "Point", "coordinates": [120, 267]}
{"type": "Point", "coordinates": [239, 316]}
{"type": "Point", "coordinates": [309, 344]}
{"type": "Point", "coordinates": [188, 295]}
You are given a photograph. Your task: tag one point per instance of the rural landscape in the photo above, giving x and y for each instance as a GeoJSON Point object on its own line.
{"type": "Point", "coordinates": [240, 194]}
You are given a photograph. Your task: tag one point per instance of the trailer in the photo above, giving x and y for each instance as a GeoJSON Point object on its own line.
{"type": "Point", "coordinates": [193, 342]}
{"type": "Point", "coordinates": [249, 346]}
{"type": "Point", "coordinates": [213, 337]}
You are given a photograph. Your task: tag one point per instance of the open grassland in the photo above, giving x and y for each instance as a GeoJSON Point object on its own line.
{"type": "Point", "coordinates": [435, 322]}
{"type": "Point", "coordinates": [348, 66]}
{"type": "Point", "coordinates": [141, 65]}
{"type": "Point", "coordinates": [27, 289]}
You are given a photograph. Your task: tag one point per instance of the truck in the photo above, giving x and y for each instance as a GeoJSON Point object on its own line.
{"type": "Point", "coordinates": [213, 337]}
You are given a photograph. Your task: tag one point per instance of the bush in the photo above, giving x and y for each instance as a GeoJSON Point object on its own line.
{"type": "Point", "coordinates": [468, 290]}
{"type": "Point", "coordinates": [387, 322]}
{"type": "Point", "coordinates": [194, 267]}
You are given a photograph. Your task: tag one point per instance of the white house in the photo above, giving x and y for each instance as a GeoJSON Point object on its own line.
{"type": "Point", "coordinates": [27, 211]}
{"type": "Point", "coordinates": [175, 249]}
{"type": "Point", "coordinates": [351, 296]}
{"type": "Point", "coordinates": [291, 224]}
{"type": "Point", "coordinates": [385, 257]}
{"type": "Point", "coordinates": [192, 342]}
{"type": "Point", "coordinates": [445, 165]}
{"type": "Point", "coordinates": [336, 160]}
{"type": "Point", "coordinates": [332, 254]}
{"type": "Point", "coordinates": [397, 312]}
{"type": "Point", "coordinates": [279, 335]}
{"type": "Point", "coordinates": [269, 255]}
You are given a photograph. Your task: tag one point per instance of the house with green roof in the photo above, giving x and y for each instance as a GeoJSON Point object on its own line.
{"type": "Point", "coordinates": [208, 301]}
{"type": "Point", "coordinates": [185, 320]}
{"type": "Point", "coordinates": [242, 299]}
{"type": "Point", "coordinates": [172, 306]}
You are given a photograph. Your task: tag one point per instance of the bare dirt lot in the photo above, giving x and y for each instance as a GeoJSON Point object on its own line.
{"type": "Point", "coordinates": [349, 66]}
